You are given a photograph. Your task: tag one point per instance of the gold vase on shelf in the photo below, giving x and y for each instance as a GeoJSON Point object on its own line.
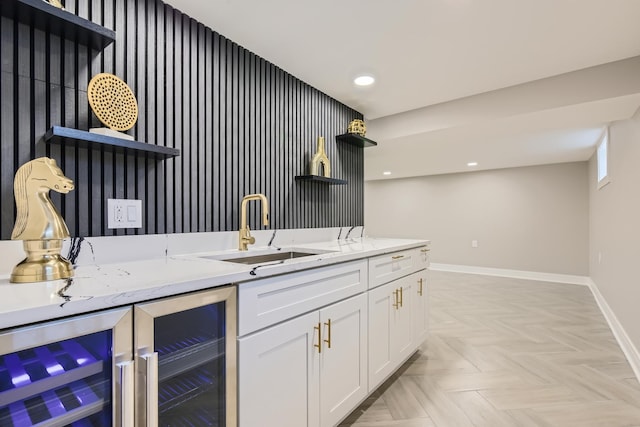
{"type": "Point", "coordinates": [320, 158]}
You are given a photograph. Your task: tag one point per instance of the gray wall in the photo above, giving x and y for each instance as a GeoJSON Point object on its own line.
{"type": "Point", "coordinates": [532, 218]}
{"type": "Point", "coordinates": [615, 226]}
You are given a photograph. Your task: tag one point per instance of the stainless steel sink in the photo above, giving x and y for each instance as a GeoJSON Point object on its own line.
{"type": "Point", "coordinates": [250, 258]}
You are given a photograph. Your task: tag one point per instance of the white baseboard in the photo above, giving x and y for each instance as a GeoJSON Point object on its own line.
{"type": "Point", "coordinates": [516, 274]}
{"type": "Point", "coordinates": [629, 350]}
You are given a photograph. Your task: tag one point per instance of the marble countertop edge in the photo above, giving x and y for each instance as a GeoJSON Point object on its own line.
{"type": "Point", "coordinates": [98, 287]}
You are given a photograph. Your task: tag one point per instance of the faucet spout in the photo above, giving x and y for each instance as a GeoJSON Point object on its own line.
{"type": "Point", "coordinates": [245, 238]}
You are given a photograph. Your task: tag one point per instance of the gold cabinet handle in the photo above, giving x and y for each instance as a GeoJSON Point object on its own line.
{"type": "Point", "coordinates": [424, 250]}
{"type": "Point", "coordinates": [319, 345]}
{"type": "Point", "coordinates": [420, 288]}
{"type": "Point", "coordinates": [396, 299]}
{"type": "Point", "coordinates": [328, 340]}
{"type": "Point", "coordinates": [400, 296]}
{"type": "Point", "coordinates": [397, 257]}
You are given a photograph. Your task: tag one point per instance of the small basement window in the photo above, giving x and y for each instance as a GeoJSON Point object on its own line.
{"type": "Point", "coordinates": [602, 159]}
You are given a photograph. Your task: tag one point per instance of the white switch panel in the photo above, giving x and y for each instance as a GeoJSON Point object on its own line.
{"type": "Point", "coordinates": [124, 213]}
{"type": "Point", "coordinates": [474, 243]}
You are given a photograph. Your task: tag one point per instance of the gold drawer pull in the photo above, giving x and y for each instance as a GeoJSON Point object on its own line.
{"type": "Point", "coordinates": [319, 345]}
{"type": "Point", "coordinates": [397, 257]}
{"type": "Point", "coordinates": [328, 340]}
{"type": "Point", "coordinates": [424, 250]}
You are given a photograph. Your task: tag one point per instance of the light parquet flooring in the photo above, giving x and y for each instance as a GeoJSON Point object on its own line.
{"type": "Point", "coordinates": [509, 352]}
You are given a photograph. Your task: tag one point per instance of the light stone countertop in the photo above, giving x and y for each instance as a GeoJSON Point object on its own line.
{"type": "Point", "coordinates": [98, 286]}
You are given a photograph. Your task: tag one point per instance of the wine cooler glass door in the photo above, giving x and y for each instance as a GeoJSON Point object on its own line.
{"type": "Point", "coordinates": [69, 382]}
{"type": "Point", "coordinates": [187, 372]}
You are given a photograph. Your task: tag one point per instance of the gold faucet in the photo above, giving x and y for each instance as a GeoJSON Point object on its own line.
{"type": "Point", "coordinates": [245, 238]}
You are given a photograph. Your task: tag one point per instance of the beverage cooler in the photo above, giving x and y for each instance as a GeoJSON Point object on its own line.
{"type": "Point", "coordinates": [185, 353]}
{"type": "Point", "coordinates": [170, 362]}
{"type": "Point", "coordinates": [67, 372]}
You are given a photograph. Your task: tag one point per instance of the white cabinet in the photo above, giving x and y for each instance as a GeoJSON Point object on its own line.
{"type": "Point", "coordinates": [266, 302]}
{"type": "Point", "coordinates": [390, 328]}
{"type": "Point", "coordinates": [398, 310]}
{"type": "Point", "coordinates": [278, 375]}
{"type": "Point", "coordinates": [343, 366]}
{"type": "Point", "coordinates": [308, 371]}
{"type": "Point", "coordinates": [423, 259]}
{"type": "Point", "coordinates": [420, 306]}
{"type": "Point", "coordinates": [388, 267]}
{"type": "Point", "coordinates": [313, 344]}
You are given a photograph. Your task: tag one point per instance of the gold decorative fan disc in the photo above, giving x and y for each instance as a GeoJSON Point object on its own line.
{"type": "Point", "coordinates": [113, 102]}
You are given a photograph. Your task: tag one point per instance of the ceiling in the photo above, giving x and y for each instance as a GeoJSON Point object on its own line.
{"type": "Point", "coordinates": [501, 82]}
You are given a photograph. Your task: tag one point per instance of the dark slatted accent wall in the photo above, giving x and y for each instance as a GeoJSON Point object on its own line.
{"type": "Point", "coordinates": [243, 125]}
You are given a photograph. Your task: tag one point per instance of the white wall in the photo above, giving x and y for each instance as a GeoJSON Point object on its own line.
{"type": "Point", "coordinates": [532, 218]}
{"type": "Point", "coordinates": [614, 227]}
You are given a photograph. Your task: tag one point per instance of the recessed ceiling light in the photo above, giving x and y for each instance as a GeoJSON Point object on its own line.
{"type": "Point", "coordinates": [472, 164]}
{"type": "Point", "coordinates": [386, 173]}
{"type": "Point", "coordinates": [364, 80]}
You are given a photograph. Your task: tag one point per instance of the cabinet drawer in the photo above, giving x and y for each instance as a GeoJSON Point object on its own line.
{"type": "Point", "coordinates": [385, 268]}
{"type": "Point", "coordinates": [268, 301]}
{"type": "Point", "coordinates": [423, 258]}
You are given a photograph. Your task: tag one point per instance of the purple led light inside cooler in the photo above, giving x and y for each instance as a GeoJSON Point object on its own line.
{"type": "Point", "coordinates": [54, 404]}
{"type": "Point", "coordinates": [84, 394]}
{"type": "Point", "coordinates": [49, 361]}
{"type": "Point", "coordinates": [19, 414]}
{"type": "Point", "coordinates": [54, 369]}
{"type": "Point", "coordinates": [19, 376]}
{"type": "Point", "coordinates": [79, 353]}
{"type": "Point", "coordinates": [20, 380]}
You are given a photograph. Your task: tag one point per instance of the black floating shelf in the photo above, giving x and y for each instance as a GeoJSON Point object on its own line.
{"type": "Point", "coordinates": [355, 139]}
{"type": "Point", "coordinates": [322, 179]}
{"type": "Point", "coordinates": [58, 21]}
{"type": "Point", "coordinates": [84, 139]}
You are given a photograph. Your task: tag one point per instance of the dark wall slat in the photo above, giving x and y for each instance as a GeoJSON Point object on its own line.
{"type": "Point", "coordinates": [243, 126]}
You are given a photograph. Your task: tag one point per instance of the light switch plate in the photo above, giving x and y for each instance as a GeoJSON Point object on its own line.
{"type": "Point", "coordinates": [124, 213]}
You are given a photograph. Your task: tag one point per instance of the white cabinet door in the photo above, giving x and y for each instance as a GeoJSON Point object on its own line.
{"type": "Point", "coordinates": [402, 344]}
{"type": "Point", "coordinates": [381, 307]}
{"type": "Point", "coordinates": [420, 307]}
{"type": "Point", "coordinates": [343, 360]}
{"type": "Point", "coordinates": [390, 329]}
{"type": "Point", "coordinates": [278, 375]}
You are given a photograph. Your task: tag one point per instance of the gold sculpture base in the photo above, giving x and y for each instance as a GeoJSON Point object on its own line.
{"type": "Point", "coordinates": [43, 263]}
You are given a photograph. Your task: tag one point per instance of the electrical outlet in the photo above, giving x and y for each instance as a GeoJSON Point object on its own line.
{"type": "Point", "coordinates": [124, 213]}
{"type": "Point", "coordinates": [474, 243]}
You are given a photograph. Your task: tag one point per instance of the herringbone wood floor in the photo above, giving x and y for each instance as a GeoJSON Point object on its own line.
{"type": "Point", "coordinates": [509, 352]}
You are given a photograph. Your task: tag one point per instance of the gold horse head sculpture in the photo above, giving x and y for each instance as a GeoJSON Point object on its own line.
{"type": "Point", "coordinates": [37, 217]}
{"type": "Point", "coordinates": [38, 222]}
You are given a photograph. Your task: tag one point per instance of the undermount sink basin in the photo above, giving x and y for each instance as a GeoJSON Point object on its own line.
{"type": "Point", "coordinates": [262, 257]}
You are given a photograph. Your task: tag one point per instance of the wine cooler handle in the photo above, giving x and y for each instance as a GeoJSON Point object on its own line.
{"type": "Point", "coordinates": [127, 395]}
{"type": "Point", "coordinates": [152, 389]}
